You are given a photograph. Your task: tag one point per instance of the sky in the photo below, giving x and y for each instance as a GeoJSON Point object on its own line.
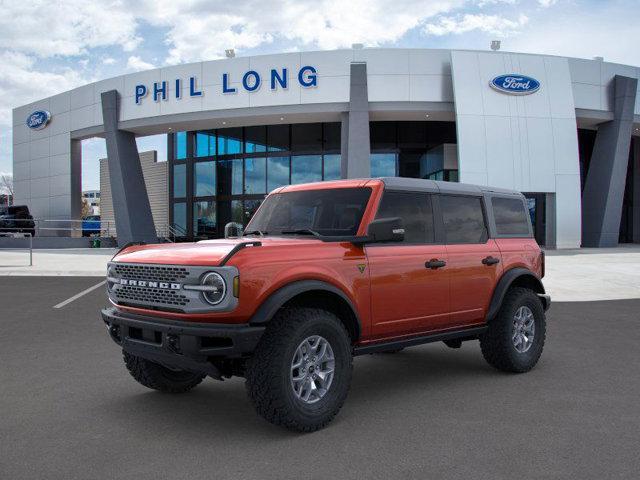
{"type": "Point", "coordinates": [48, 47]}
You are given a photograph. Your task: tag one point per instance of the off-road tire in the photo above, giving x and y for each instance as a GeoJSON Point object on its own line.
{"type": "Point", "coordinates": [268, 380]}
{"type": "Point", "coordinates": [157, 377]}
{"type": "Point", "coordinates": [496, 343]}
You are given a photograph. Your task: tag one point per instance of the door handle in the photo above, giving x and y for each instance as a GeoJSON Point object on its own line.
{"type": "Point", "coordinates": [435, 263]}
{"type": "Point", "coordinates": [490, 260]}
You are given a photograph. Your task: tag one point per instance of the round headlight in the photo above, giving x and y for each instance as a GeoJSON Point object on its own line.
{"type": "Point", "coordinates": [215, 288]}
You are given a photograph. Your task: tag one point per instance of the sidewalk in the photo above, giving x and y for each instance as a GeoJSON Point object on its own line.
{"type": "Point", "coordinates": [90, 262]}
{"type": "Point", "coordinates": [571, 275]}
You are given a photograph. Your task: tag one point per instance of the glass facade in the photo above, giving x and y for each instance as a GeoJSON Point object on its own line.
{"type": "Point", "coordinates": [220, 176]}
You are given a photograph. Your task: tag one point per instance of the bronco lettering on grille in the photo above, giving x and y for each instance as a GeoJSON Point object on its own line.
{"type": "Point", "coordinates": [148, 284]}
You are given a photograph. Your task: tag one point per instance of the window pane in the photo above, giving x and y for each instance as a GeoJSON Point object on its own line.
{"type": "Point", "coordinates": [230, 177]}
{"type": "Point", "coordinates": [255, 173]}
{"type": "Point", "coordinates": [205, 144]}
{"type": "Point", "coordinates": [237, 213]}
{"type": "Point", "coordinates": [229, 141]}
{"type": "Point", "coordinates": [336, 211]}
{"type": "Point", "coordinates": [179, 180]}
{"type": "Point", "coordinates": [412, 135]}
{"type": "Point", "coordinates": [306, 137]}
{"type": "Point", "coordinates": [306, 168]}
{"type": "Point", "coordinates": [278, 137]}
{"type": "Point", "coordinates": [204, 179]}
{"type": "Point", "coordinates": [180, 146]}
{"type": "Point", "coordinates": [204, 219]}
{"type": "Point", "coordinates": [277, 172]}
{"type": "Point", "coordinates": [180, 217]}
{"type": "Point", "coordinates": [510, 215]}
{"type": "Point", "coordinates": [332, 167]}
{"type": "Point", "coordinates": [415, 211]}
{"type": "Point", "coordinates": [250, 207]}
{"type": "Point", "coordinates": [255, 139]}
{"type": "Point", "coordinates": [383, 165]}
{"type": "Point", "coordinates": [332, 136]}
{"type": "Point", "coordinates": [383, 135]}
{"type": "Point", "coordinates": [463, 219]}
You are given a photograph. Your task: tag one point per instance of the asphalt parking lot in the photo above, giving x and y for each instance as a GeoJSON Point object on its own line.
{"type": "Point", "coordinates": [69, 409]}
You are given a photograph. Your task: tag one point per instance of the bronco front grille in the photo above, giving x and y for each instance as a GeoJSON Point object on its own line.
{"type": "Point", "coordinates": [157, 296]}
{"type": "Point", "coordinates": [151, 272]}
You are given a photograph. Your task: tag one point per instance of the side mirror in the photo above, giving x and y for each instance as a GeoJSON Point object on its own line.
{"type": "Point", "coordinates": [386, 230]}
{"type": "Point", "coordinates": [233, 230]}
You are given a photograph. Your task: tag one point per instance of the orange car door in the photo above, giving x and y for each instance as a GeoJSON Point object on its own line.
{"type": "Point", "coordinates": [409, 279]}
{"type": "Point", "coordinates": [474, 260]}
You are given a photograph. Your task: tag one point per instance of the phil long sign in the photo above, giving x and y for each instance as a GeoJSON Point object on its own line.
{"type": "Point", "coordinates": [250, 81]}
{"type": "Point", "coordinates": [515, 84]}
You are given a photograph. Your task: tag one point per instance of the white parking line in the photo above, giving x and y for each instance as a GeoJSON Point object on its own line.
{"type": "Point", "coordinates": [77, 296]}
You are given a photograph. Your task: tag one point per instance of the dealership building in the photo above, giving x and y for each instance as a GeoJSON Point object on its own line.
{"type": "Point", "coordinates": [564, 131]}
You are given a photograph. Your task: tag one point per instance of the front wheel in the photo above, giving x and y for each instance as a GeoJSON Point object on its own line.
{"type": "Point", "coordinates": [515, 337]}
{"type": "Point", "coordinates": [300, 373]}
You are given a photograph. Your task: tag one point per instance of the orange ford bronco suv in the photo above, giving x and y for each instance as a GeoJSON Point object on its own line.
{"type": "Point", "coordinates": [326, 271]}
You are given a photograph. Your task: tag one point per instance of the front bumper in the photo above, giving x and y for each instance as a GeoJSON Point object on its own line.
{"type": "Point", "coordinates": [187, 346]}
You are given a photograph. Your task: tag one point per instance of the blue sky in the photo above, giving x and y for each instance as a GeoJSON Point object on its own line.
{"type": "Point", "coordinates": [49, 48]}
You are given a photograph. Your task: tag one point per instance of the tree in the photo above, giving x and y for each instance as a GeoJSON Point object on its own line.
{"type": "Point", "coordinates": [86, 208]}
{"type": "Point", "coordinates": [6, 186]}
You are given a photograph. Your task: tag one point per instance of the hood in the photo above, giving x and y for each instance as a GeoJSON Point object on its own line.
{"type": "Point", "coordinates": [206, 252]}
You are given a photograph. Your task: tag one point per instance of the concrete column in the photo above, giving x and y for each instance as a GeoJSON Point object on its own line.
{"type": "Point", "coordinates": [604, 188]}
{"type": "Point", "coordinates": [355, 157]}
{"type": "Point", "coordinates": [131, 208]}
{"type": "Point", "coordinates": [636, 190]}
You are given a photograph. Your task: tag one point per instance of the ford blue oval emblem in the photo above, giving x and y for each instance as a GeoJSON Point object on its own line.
{"type": "Point", "coordinates": [38, 119]}
{"type": "Point", "coordinates": [515, 84]}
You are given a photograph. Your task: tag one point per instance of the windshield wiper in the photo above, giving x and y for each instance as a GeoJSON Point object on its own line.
{"type": "Point", "coordinates": [255, 232]}
{"type": "Point", "coordinates": [301, 231]}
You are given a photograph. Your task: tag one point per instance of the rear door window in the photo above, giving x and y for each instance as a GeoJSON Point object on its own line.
{"type": "Point", "coordinates": [463, 219]}
{"type": "Point", "coordinates": [415, 211]}
{"type": "Point", "coordinates": [511, 217]}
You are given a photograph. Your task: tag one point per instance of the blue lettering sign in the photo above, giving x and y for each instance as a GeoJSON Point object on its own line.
{"type": "Point", "coordinates": [141, 92]}
{"type": "Point", "coordinates": [515, 84]}
{"type": "Point", "coordinates": [275, 77]}
{"type": "Point", "coordinates": [192, 88]}
{"type": "Point", "coordinates": [157, 90]}
{"type": "Point", "coordinates": [225, 84]}
{"type": "Point", "coordinates": [310, 80]}
{"type": "Point", "coordinates": [251, 86]}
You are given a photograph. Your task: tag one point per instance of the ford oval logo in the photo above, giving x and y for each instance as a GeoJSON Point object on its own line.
{"type": "Point", "coordinates": [515, 84]}
{"type": "Point", "coordinates": [38, 119]}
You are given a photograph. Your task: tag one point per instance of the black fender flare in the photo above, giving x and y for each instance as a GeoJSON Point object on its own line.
{"type": "Point", "coordinates": [277, 299]}
{"type": "Point", "coordinates": [505, 282]}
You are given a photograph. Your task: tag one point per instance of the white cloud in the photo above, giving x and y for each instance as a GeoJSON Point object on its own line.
{"type": "Point", "coordinates": [547, 3]}
{"type": "Point", "coordinates": [491, 24]}
{"type": "Point", "coordinates": [108, 61]}
{"type": "Point", "coordinates": [46, 28]}
{"type": "Point", "coordinates": [135, 63]}
{"type": "Point", "coordinates": [324, 24]}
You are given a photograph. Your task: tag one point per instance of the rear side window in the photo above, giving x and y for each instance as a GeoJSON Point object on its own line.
{"type": "Point", "coordinates": [463, 219]}
{"type": "Point", "coordinates": [415, 211]}
{"type": "Point", "coordinates": [511, 217]}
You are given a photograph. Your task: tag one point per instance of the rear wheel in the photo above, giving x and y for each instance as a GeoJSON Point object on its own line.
{"type": "Point", "coordinates": [300, 373]}
{"type": "Point", "coordinates": [515, 337]}
{"type": "Point", "coordinates": [158, 377]}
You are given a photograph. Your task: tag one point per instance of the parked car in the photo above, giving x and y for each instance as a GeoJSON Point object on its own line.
{"type": "Point", "coordinates": [327, 271]}
{"type": "Point", "coordinates": [17, 219]}
{"type": "Point", "coordinates": [91, 225]}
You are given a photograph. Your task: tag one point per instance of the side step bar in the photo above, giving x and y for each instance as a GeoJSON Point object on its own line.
{"type": "Point", "coordinates": [467, 333]}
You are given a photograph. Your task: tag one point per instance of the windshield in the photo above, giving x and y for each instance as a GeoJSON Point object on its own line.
{"type": "Point", "coordinates": [327, 212]}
